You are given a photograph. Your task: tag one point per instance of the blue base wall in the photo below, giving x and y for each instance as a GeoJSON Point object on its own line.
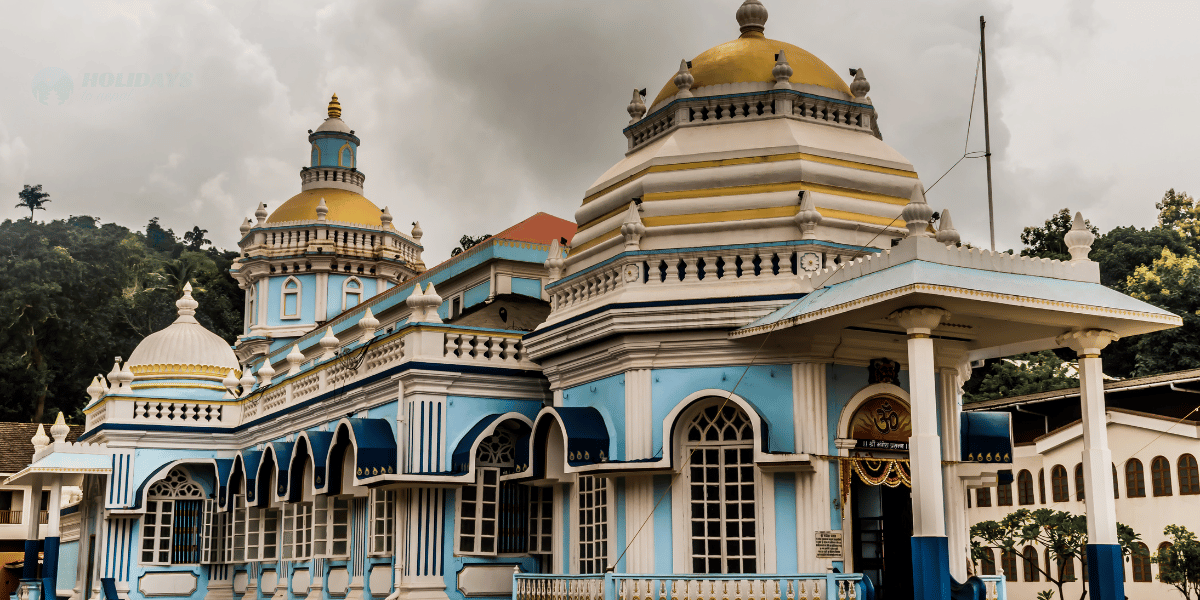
{"type": "Point", "coordinates": [1106, 573]}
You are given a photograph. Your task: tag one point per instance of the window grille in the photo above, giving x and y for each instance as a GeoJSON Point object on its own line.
{"type": "Point", "coordinates": [593, 524]}
{"type": "Point", "coordinates": [1058, 484]}
{"type": "Point", "coordinates": [213, 536]}
{"type": "Point", "coordinates": [1141, 563]}
{"type": "Point", "coordinates": [1030, 558]}
{"type": "Point", "coordinates": [1025, 488]}
{"type": "Point", "coordinates": [492, 515]}
{"type": "Point", "coordinates": [983, 497]}
{"type": "Point", "coordinates": [541, 520]}
{"type": "Point", "coordinates": [1004, 494]}
{"type": "Point", "coordinates": [383, 519]}
{"type": "Point", "coordinates": [721, 492]}
{"type": "Point", "coordinates": [236, 550]}
{"type": "Point", "coordinates": [173, 523]}
{"type": "Point", "coordinates": [1135, 479]}
{"type": "Point", "coordinates": [1189, 475]}
{"type": "Point", "coordinates": [1160, 476]}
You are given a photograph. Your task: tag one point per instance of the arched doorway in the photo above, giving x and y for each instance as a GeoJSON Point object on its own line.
{"type": "Point", "coordinates": [880, 496]}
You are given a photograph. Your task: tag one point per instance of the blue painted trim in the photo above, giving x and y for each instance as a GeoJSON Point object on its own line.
{"type": "Point", "coordinates": [692, 302]}
{"type": "Point", "coordinates": [746, 94]}
{"type": "Point", "coordinates": [30, 565]}
{"type": "Point", "coordinates": [50, 568]}
{"type": "Point", "coordinates": [628, 253]}
{"type": "Point", "coordinates": [1106, 572]}
{"type": "Point", "coordinates": [424, 366]}
{"type": "Point", "coordinates": [931, 568]}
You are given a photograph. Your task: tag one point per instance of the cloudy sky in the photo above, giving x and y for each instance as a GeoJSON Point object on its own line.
{"type": "Point", "coordinates": [476, 114]}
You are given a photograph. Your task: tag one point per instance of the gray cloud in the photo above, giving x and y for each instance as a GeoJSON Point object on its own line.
{"type": "Point", "coordinates": [476, 114]}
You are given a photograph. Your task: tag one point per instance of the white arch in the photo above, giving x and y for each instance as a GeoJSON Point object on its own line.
{"type": "Point", "coordinates": [871, 391]}
{"type": "Point", "coordinates": [490, 429]}
{"type": "Point", "coordinates": [284, 291]}
{"type": "Point", "coordinates": [360, 291]}
{"type": "Point", "coordinates": [688, 402]}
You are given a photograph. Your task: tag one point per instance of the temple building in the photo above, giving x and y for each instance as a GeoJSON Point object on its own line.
{"type": "Point", "coordinates": [736, 374]}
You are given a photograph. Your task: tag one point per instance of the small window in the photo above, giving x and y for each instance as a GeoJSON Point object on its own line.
{"type": "Point", "coordinates": [1004, 494]}
{"type": "Point", "coordinates": [1042, 485]}
{"type": "Point", "coordinates": [983, 497]}
{"type": "Point", "coordinates": [1030, 559]}
{"type": "Point", "coordinates": [316, 155]}
{"type": "Point", "coordinates": [1141, 563]}
{"type": "Point", "coordinates": [289, 307]}
{"type": "Point", "coordinates": [1058, 484]}
{"type": "Point", "coordinates": [1160, 476]}
{"type": "Point", "coordinates": [1009, 560]}
{"type": "Point", "coordinates": [987, 565]}
{"type": "Point", "coordinates": [297, 530]}
{"type": "Point", "coordinates": [346, 157]}
{"type": "Point", "coordinates": [1025, 488]}
{"type": "Point", "coordinates": [1116, 488]}
{"type": "Point", "coordinates": [1135, 479]}
{"type": "Point", "coordinates": [1066, 569]}
{"type": "Point", "coordinates": [383, 521]}
{"type": "Point", "coordinates": [1189, 475]}
{"type": "Point", "coordinates": [593, 524]}
{"type": "Point", "coordinates": [541, 520]}
{"type": "Point", "coordinates": [352, 291]}
{"type": "Point", "coordinates": [1079, 482]}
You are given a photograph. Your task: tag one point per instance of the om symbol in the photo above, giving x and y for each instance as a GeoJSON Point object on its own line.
{"type": "Point", "coordinates": [886, 420]}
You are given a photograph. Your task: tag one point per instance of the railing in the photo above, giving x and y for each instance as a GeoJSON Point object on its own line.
{"type": "Point", "coordinates": [157, 410]}
{"type": "Point", "coordinates": [43, 517]}
{"type": "Point", "coordinates": [995, 587]}
{"type": "Point", "coordinates": [621, 586]}
{"type": "Point", "coordinates": [10, 517]}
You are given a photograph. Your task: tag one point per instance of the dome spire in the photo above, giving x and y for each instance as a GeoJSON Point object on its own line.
{"type": "Point", "coordinates": [187, 306]}
{"type": "Point", "coordinates": [752, 18]}
{"type": "Point", "coordinates": [335, 108]}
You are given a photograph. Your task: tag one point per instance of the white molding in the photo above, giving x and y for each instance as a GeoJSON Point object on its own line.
{"type": "Point", "coordinates": [877, 389]}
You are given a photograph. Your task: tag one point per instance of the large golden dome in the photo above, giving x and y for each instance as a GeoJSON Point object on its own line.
{"type": "Point", "coordinates": [344, 206]}
{"type": "Point", "coordinates": [750, 58]}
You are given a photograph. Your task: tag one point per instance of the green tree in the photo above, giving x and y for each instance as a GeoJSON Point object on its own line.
{"type": "Point", "coordinates": [1047, 241]}
{"type": "Point", "coordinates": [194, 240]}
{"type": "Point", "coordinates": [160, 239]}
{"type": "Point", "coordinates": [1179, 563]}
{"type": "Point", "coordinates": [1179, 212]}
{"type": "Point", "coordinates": [33, 198]}
{"type": "Point", "coordinates": [1171, 282]}
{"type": "Point", "coordinates": [1062, 534]}
{"type": "Point", "coordinates": [1019, 375]}
{"type": "Point", "coordinates": [467, 242]}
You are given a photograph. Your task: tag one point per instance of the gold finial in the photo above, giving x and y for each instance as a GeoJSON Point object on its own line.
{"type": "Point", "coordinates": [335, 108]}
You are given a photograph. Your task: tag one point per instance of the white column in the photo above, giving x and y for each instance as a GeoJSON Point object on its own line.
{"type": "Point", "coordinates": [957, 526]}
{"type": "Point", "coordinates": [638, 432]}
{"type": "Point", "coordinates": [924, 447]}
{"type": "Point", "coordinates": [1097, 459]}
{"type": "Point", "coordinates": [29, 514]}
{"type": "Point", "coordinates": [813, 494]}
{"type": "Point", "coordinates": [53, 511]}
{"type": "Point", "coordinates": [639, 514]}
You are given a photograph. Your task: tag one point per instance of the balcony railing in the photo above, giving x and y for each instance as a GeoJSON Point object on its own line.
{"type": "Point", "coordinates": [995, 587]}
{"type": "Point", "coordinates": [10, 517]}
{"type": "Point", "coordinates": [622, 586]}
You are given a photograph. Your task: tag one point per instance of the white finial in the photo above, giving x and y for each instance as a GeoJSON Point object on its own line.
{"type": "Point", "coordinates": [329, 344]}
{"type": "Point", "coordinates": [186, 306]}
{"type": "Point", "coordinates": [554, 261]}
{"type": "Point", "coordinates": [246, 227]}
{"type": "Point", "coordinates": [782, 72]}
{"type": "Point", "coordinates": [322, 210]}
{"type": "Point", "coordinates": [385, 218]}
{"type": "Point", "coordinates": [231, 383]}
{"type": "Point", "coordinates": [126, 374]}
{"type": "Point", "coordinates": [414, 302]}
{"type": "Point", "coordinates": [637, 107]}
{"type": "Point", "coordinates": [247, 381]}
{"type": "Point", "coordinates": [114, 376]}
{"type": "Point", "coordinates": [632, 228]}
{"type": "Point", "coordinates": [752, 17]}
{"type": "Point", "coordinates": [368, 323]}
{"type": "Point", "coordinates": [417, 232]}
{"type": "Point", "coordinates": [432, 302]}
{"type": "Point", "coordinates": [808, 218]}
{"type": "Point", "coordinates": [294, 358]}
{"type": "Point", "coordinates": [946, 233]}
{"type": "Point", "coordinates": [60, 429]}
{"type": "Point", "coordinates": [265, 373]}
{"type": "Point", "coordinates": [916, 213]}
{"type": "Point", "coordinates": [859, 87]}
{"type": "Point", "coordinates": [96, 389]}
{"type": "Point", "coordinates": [1079, 239]}
{"type": "Point", "coordinates": [39, 439]}
{"type": "Point", "coordinates": [261, 213]}
{"type": "Point", "coordinates": [683, 80]}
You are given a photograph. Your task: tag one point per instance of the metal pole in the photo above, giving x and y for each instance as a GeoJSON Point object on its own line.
{"type": "Point", "coordinates": [987, 137]}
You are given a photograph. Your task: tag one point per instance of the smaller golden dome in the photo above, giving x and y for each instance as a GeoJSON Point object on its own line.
{"type": "Point", "coordinates": [751, 58]}
{"type": "Point", "coordinates": [344, 206]}
{"type": "Point", "coordinates": [335, 108]}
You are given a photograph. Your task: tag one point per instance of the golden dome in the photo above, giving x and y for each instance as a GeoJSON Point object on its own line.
{"type": "Point", "coordinates": [344, 206]}
{"type": "Point", "coordinates": [750, 58]}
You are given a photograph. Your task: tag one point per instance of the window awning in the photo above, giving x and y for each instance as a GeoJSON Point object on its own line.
{"type": "Point", "coordinates": [282, 452]}
{"type": "Point", "coordinates": [374, 446]}
{"type": "Point", "coordinates": [314, 445]}
{"type": "Point", "coordinates": [251, 459]}
{"type": "Point", "coordinates": [585, 440]}
{"type": "Point", "coordinates": [986, 437]}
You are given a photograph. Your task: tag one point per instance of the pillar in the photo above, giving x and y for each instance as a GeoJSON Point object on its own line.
{"type": "Point", "coordinates": [930, 550]}
{"type": "Point", "coordinates": [32, 529]}
{"type": "Point", "coordinates": [53, 532]}
{"type": "Point", "coordinates": [1105, 569]}
{"type": "Point", "coordinates": [957, 526]}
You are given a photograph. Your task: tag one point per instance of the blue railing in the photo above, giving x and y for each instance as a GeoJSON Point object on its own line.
{"type": "Point", "coordinates": [625, 586]}
{"type": "Point", "coordinates": [995, 587]}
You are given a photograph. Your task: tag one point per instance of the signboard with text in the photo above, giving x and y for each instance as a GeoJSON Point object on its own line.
{"type": "Point", "coordinates": [829, 544]}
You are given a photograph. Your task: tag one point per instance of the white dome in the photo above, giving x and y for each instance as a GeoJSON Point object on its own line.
{"type": "Point", "coordinates": [184, 342]}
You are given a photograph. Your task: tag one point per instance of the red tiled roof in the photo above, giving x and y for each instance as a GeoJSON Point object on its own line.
{"type": "Point", "coordinates": [541, 228]}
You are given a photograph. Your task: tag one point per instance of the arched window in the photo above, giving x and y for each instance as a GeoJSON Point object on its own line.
{"type": "Point", "coordinates": [1066, 569]}
{"type": "Point", "coordinates": [1058, 484]}
{"type": "Point", "coordinates": [719, 441]}
{"type": "Point", "coordinates": [1008, 560]}
{"type": "Point", "coordinates": [1025, 488]}
{"type": "Point", "coordinates": [316, 155]}
{"type": "Point", "coordinates": [1189, 475]}
{"type": "Point", "coordinates": [1042, 485]}
{"type": "Point", "coordinates": [1004, 494]}
{"type": "Point", "coordinates": [987, 564]}
{"type": "Point", "coordinates": [487, 504]}
{"type": "Point", "coordinates": [352, 291]}
{"type": "Point", "coordinates": [1141, 563]}
{"type": "Point", "coordinates": [171, 527]}
{"type": "Point", "coordinates": [983, 497]}
{"type": "Point", "coordinates": [1135, 479]}
{"type": "Point", "coordinates": [1079, 482]}
{"type": "Point", "coordinates": [289, 302]}
{"type": "Point", "coordinates": [1160, 476]}
{"type": "Point", "coordinates": [1030, 559]}
{"type": "Point", "coordinates": [1116, 488]}
{"type": "Point", "coordinates": [346, 156]}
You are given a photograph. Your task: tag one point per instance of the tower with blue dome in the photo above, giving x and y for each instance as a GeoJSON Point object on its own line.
{"type": "Point", "coordinates": [323, 251]}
